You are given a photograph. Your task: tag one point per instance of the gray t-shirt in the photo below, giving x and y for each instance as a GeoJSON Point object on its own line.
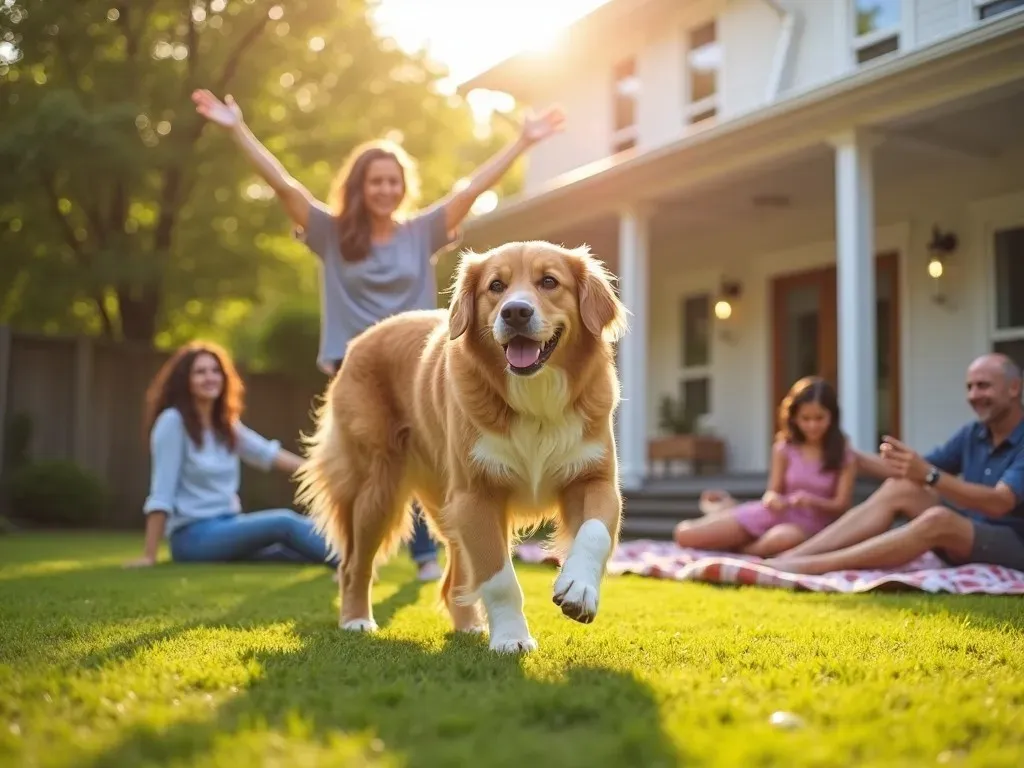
{"type": "Point", "coordinates": [396, 276]}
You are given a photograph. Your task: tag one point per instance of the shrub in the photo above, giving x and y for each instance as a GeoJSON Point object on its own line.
{"type": "Point", "coordinates": [17, 441]}
{"type": "Point", "coordinates": [55, 493]}
{"type": "Point", "coordinates": [288, 339]}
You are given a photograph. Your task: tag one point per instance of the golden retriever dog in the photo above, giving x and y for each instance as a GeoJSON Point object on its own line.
{"type": "Point", "coordinates": [496, 415]}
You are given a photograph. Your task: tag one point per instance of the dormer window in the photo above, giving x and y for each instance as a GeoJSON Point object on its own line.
{"type": "Point", "coordinates": [625, 92]}
{"type": "Point", "coordinates": [876, 28]}
{"type": "Point", "coordinates": [989, 9]}
{"type": "Point", "coordinates": [703, 63]}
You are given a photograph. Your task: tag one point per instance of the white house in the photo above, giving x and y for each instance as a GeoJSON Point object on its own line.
{"type": "Point", "coordinates": [752, 156]}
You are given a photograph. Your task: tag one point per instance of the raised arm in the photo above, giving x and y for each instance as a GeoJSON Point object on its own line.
{"type": "Point", "coordinates": [873, 465]}
{"type": "Point", "coordinates": [295, 198]}
{"type": "Point", "coordinates": [990, 501]}
{"type": "Point", "coordinates": [535, 128]}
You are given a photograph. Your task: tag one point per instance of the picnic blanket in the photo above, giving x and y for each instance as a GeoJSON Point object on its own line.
{"type": "Point", "coordinates": [665, 560]}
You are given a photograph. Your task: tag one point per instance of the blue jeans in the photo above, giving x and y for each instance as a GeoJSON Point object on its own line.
{"type": "Point", "coordinates": [422, 548]}
{"type": "Point", "coordinates": [273, 535]}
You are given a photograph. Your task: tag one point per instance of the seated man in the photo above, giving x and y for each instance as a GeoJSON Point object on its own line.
{"type": "Point", "coordinates": [977, 517]}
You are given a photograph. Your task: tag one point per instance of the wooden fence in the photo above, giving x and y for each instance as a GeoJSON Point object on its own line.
{"type": "Point", "coordinates": [84, 399]}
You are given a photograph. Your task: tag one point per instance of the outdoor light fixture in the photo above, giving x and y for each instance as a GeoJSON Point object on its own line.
{"type": "Point", "coordinates": [728, 292]}
{"type": "Point", "coordinates": [940, 247]}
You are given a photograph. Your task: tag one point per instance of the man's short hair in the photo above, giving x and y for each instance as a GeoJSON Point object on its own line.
{"type": "Point", "coordinates": [1011, 371]}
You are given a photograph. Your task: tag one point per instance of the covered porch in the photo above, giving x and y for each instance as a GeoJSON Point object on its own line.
{"type": "Point", "coordinates": [798, 240]}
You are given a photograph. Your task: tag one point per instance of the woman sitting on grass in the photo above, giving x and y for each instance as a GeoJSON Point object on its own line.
{"type": "Point", "coordinates": [810, 485]}
{"type": "Point", "coordinates": [197, 442]}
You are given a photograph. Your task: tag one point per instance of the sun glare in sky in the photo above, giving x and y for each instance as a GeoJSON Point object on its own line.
{"type": "Point", "coordinates": [469, 36]}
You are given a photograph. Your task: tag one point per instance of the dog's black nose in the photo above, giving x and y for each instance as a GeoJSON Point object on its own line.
{"type": "Point", "coordinates": [517, 313]}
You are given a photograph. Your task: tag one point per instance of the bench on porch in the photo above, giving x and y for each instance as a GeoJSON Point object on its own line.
{"type": "Point", "coordinates": [699, 451]}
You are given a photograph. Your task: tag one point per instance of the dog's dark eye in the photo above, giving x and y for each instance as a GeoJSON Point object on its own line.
{"type": "Point", "coordinates": [497, 286]}
{"type": "Point", "coordinates": [548, 282]}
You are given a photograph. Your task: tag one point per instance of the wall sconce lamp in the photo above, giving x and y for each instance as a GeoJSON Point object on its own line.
{"type": "Point", "coordinates": [941, 246]}
{"type": "Point", "coordinates": [728, 292]}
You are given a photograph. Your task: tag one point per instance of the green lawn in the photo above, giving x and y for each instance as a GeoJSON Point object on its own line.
{"type": "Point", "coordinates": [242, 665]}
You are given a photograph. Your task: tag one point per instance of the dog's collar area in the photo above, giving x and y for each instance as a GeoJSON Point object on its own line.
{"type": "Point", "coordinates": [545, 352]}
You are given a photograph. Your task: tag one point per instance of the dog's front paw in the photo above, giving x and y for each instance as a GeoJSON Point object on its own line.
{"type": "Point", "coordinates": [508, 644]}
{"type": "Point", "coordinates": [577, 598]}
{"type": "Point", "coordinates": [472, 629]}
{"type": "Point", "coordinates": [359, 625]}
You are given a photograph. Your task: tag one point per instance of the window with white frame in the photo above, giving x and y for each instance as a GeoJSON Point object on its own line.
{"type": "Point", "coordinates": [625, 93]}
{"type": "Point", "coordinates": [1008, 254]}
{"type": "Point", "coordinates": [876, 28]}
{"type": "Point", "coordinates": [695, 371]}
{"type": "Point", "coordinates": [703, 64]}
{"type": "Point", "coordinates": [989, 9]}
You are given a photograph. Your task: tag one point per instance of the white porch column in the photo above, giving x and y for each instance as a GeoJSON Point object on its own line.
{"type": "Point", "coordinates": [634, 282]}
{"type": "Point", "coordinates": [855, 273]}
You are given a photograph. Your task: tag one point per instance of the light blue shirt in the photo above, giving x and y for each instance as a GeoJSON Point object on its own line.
{"type": "Point", "coordinates": [190, 483]}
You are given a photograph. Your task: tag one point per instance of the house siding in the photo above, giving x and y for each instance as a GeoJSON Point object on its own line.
{"type": "Point", "coordinates": [936, 341]}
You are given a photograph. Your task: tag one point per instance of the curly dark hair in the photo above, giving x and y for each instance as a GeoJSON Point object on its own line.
{"type": "Point", "coordinates": [170, 389]}
{"type": "Point", "coordinates": [814, 389]}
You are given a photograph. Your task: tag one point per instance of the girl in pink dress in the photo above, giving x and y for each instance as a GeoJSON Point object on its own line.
{"type": "Point", "coordinates": [810, 485]}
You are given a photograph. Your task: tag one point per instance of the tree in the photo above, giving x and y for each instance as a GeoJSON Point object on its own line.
{"type": "Point", "coordinates": [125, 213]}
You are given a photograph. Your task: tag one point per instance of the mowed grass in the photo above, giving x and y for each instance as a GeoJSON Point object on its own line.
{"type": "Point", "coordinates": [242, 665]}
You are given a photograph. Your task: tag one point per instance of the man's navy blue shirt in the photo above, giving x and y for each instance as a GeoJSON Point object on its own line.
{"type": "Point", "coordinates": [970, 454]}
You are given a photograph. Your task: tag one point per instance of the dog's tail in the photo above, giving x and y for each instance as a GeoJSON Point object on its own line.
{"type": "Point", "coordinates": [353, 489]}
{"type": "Point", "coordinates": [324, 484]}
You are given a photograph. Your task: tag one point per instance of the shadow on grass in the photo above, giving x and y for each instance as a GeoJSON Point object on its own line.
{"type": "Point", "coordinates": [456, 703]}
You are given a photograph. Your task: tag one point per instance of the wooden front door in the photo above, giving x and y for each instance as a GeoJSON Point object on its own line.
{"type": "Point", "coordinates": [806, 336]}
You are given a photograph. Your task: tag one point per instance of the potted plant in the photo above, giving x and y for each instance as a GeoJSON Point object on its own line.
{"type": "Point", "coordinates": [682, 437]}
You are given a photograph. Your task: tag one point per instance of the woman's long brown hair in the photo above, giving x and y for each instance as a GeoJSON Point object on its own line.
{"type": "Point", "coordinates": [170, 389]}
{"type": "Point", "coordinates": [347, 198]}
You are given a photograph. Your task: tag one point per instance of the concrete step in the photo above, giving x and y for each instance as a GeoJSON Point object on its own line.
{"type": "Point", "coordinates": [654, 510]}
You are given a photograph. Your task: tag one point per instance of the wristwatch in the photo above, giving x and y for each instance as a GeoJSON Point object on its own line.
{"type": "Point", "coordinates": [932, 477]}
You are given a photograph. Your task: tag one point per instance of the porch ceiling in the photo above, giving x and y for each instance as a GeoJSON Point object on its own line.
{"type": "Point", "coordinates": [976, 133]}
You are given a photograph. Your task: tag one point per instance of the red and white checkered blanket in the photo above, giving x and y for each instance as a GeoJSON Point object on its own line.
{"type": "Point", "coordinates": [664, 560]}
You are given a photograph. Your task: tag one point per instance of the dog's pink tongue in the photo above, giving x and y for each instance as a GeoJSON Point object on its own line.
{"type": "Point", "coordinates": [522, 352]}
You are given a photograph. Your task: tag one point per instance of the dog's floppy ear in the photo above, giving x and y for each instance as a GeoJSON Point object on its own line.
{"type": "Point", "coordinates": [462, 309]}
{"type": "Point", "coordinates": [600, 309]}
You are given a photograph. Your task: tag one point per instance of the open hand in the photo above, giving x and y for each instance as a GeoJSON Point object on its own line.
{"type": "Point", "coordinates": [226, 113]}
{"type": "Point", "coordinates": [907, 462]}
{"type": "Point", "coordinates": [537, 127]}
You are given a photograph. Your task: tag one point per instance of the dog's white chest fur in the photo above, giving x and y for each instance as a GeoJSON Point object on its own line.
{"type": "Point", "coordinates": [544, 446]}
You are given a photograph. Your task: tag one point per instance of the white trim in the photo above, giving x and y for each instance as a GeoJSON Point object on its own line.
{"type": "Point", "coordinates": [696, 107]}
{"type": "Point", "coordinates": [1000, 213]}
{"type": "Point", "coordinates": [902, 242]}
{"type": "Point", "coordinates": [634, 279]}
{"type": "Point", "coordinates": [856, 292]}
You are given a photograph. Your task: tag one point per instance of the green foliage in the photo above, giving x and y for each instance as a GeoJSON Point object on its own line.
{"type": "Point", "coordinates": [55, 493]}
{"type": "Point", "coordinates": [123, 212]}
{"type": "Point", "coordinates": [282, 339]}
